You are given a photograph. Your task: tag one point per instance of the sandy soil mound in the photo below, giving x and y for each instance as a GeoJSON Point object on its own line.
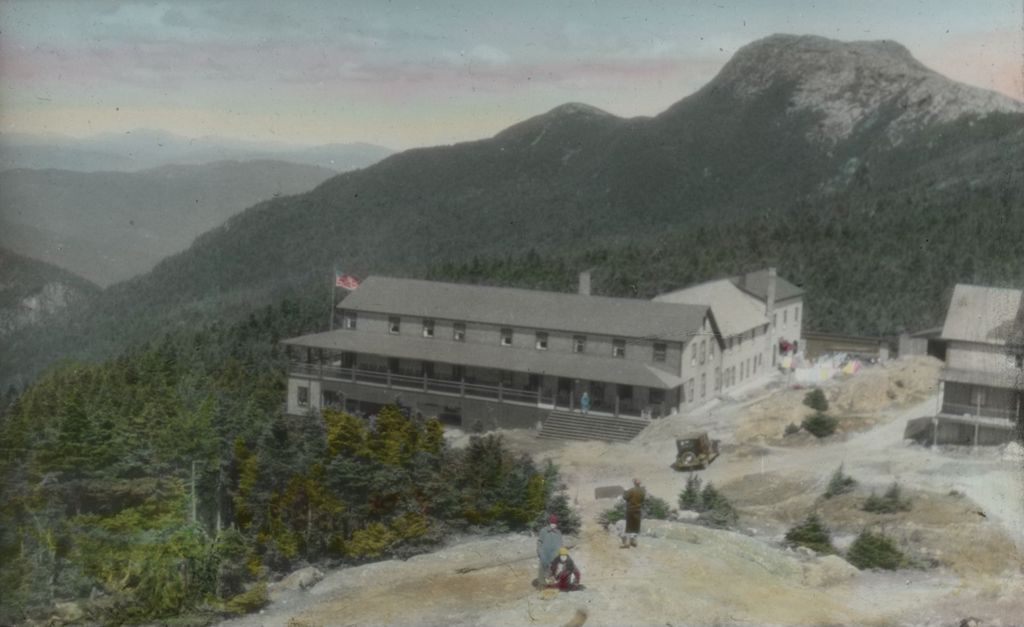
{"type": "Point", "coordinates": [855, 399]}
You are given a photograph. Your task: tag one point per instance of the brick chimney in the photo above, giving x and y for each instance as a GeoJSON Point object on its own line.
{"type": "Point", "coordinates": [584, 286]}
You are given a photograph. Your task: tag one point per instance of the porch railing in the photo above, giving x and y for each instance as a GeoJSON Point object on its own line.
{"type": "Point", "coordinates": [422, 383]}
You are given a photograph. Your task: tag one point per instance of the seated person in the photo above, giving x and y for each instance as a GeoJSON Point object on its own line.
{"type": "Point", "coordinates": [563, 572]}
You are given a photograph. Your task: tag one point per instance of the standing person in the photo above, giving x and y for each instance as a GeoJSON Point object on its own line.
{"type": "Point", "coordinates": [585, 402]}
{"type": "Point", "coordinates": [634, 498]}
{"type": "Point", "coordinates": [563, 571]}
{"type": "Point", "coordinates": [549, 540]}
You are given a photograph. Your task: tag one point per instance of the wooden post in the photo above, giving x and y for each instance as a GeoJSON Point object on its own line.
{"type": "Point", "coordinates": [977, 419]}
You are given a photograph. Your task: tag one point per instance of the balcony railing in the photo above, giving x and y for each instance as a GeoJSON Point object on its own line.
{"type": "Point", "coordinates": [959, 409]}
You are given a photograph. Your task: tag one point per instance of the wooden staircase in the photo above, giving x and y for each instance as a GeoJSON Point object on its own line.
{"type": "Point", "coordinates": [565, 425]}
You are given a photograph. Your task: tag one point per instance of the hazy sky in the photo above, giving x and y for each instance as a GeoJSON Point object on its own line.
{"type": "Point", "coordinates": [406, 74]}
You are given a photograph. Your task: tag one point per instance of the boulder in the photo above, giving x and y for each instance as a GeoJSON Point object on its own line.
{"type": "Point", "coordinates": [828, 571]}
{"type": "Point", "coordinates": [302, 579]}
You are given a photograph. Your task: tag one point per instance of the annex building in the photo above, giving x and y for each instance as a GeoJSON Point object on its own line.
{"type": "Point", "coordinates": [487, 357]}
{"type": "Point", "coordinates": [983, 381]}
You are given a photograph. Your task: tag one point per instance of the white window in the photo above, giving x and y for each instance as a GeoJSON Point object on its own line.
{"type": "Point", "coordinates": [690, 390]}
{"type": "Point", "coordinates": [349, 320]}
{"type": "Point", "coordinates": [711, 348]}
{"type": "Point", "coordinates": [542, 341]}
{"type": "Point", "coordinates": [394, 325]}
{"type": "Point", "coordinates": [785, 314]}
{"type": "Point", "coordinates": [428, 327]}
{"type": "Point", "coordinates": [659, 351]}
{"type": "Point", "coordinates": [506, 337]}
{"type": "Point", "coordinates": [703, 350]}
{"type": "Point", "coordinates": [302, 396]}
{"type": "Point", "coordinates": [693, 354]}
{"type": "Point", "coordinates": [796, 314]}
{"type": "Point", "coordinates": [703, 385]}
{"type": "Point", "coordinates": [459, 332]}
{"type": "Point", "coordinates": [618, 348]}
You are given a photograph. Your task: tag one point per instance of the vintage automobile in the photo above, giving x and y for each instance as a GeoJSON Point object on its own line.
{"type": "Point", "coordinates": [694, 451]}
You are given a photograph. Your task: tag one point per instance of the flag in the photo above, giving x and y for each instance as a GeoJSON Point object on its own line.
{"type": "Point", "coordinates": [346, 281]}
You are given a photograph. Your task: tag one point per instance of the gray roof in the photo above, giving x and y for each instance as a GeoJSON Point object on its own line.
{"type": "Point", "coordinates": [1008, 378]}
{"type": "Point", "coordinates": [512, 307]}
{"type": "Point", "coordinates": [987, 315]}
{"type": "Point", "coordinates": [756, 284]}
{"type": "Point", "coordinates": [735, 310]}
{"type": "Point", "coordinates": [578, 366]}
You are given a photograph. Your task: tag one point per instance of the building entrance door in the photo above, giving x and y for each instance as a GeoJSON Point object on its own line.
{"type": "Point", "coordinates": [565, 388]}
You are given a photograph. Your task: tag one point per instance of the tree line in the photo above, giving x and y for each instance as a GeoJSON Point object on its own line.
{"type": "Point", "coordinates": [168, 480]}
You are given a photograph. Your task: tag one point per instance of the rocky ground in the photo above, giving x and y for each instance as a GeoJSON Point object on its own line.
{"type": "Point", "coordinates": [967, 519]}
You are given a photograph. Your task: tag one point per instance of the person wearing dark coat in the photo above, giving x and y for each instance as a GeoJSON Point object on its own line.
{"type": "Point", "coordinates": [634, 498]}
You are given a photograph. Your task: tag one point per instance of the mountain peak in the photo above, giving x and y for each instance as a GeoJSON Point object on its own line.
{"type": "Point", "coordinates": [850, 83]}
{"type": "Point", "coordinates": [571, 116]}
{"type": "Point", "coordinates": [578, 109]}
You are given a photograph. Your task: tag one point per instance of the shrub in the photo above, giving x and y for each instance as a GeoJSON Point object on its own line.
{"type": "Point", "coordinates": [815, 399]}
{"type": "Point", "coordinates": [889, 503]}
{"type": "Point", "coordinates": [716, 510]}
{"type": "Point", "coordinates": [568, 519]}
{"type": "Point", "coordinates": [249, 601]}
{"type": "Point", "coordinates": [872, 550]}
{"type": "Point", "coordinates": [839, 483]}
{"type": "Point", "coordinates": [372, 541]}
{"type": "Point", "coordinates": [791, 428]}
{"type": "Point", "coordinates": [654, 507]}
{"type": "Point", "coordinates": [820, 425]}
{"type": "Point", "coordinates": [813, 534]}
{"type": "Point", "coordinates": [689, 498]}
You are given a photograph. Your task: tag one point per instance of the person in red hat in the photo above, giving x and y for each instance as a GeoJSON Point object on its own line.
{"type": "Point", "coordinates": [563, 573]}
{"type": "Point", "coordinates": [549, 540]}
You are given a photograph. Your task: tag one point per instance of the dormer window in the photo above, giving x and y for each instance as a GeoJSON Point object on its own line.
{"type": "Point", "coordinates": [579, 343]}
{"type": "Point", "coordinates": [459, 332]}
{"type": "Point", "coordinates": [349, 320]}
{"type": "Point", "coordinates": [542, 341]}
{"type": "Point", "coordinates": [506, 337]}
{"type": "Point", "coordinates": [660, 351]}
{"type": "Point", "coordinates": [394, 325]}
{"type": "Point", "coordinates": [428, 328]}
{"type": "Point", "coordinates": [618, 348]}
